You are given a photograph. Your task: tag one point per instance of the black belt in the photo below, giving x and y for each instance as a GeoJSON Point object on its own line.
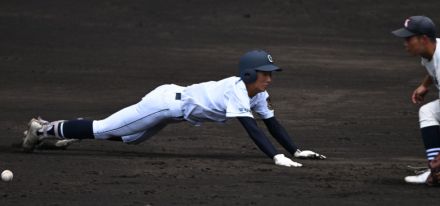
{"type": "Point", "coordinates": [178, 96]}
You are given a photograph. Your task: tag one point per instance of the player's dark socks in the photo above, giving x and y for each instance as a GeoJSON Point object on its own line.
{"type": "Point", "coordinates": [78, 129]}
{"type": "Point", "coordinates": [431, 140]}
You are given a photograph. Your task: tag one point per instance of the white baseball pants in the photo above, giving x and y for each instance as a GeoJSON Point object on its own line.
{"type": "Point", "coordinates": [429, 114]}
{"type": "Point", "coordinates": [141, 121]}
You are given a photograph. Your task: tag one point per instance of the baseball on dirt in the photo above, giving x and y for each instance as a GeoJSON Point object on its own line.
{"type": "Point", "coordinates": [7, 175]}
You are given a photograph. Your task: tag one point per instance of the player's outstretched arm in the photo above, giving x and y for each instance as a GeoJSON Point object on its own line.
{"type": "Point", "coordinates": [264, 144]}
{"type": "Point", "coordinates": [281, 135]}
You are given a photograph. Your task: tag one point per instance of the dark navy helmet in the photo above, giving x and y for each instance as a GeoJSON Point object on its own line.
{"type": "Point", "coordinates": [253, 61]}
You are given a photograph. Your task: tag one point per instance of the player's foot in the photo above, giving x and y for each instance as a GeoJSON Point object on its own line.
{"type": "Point", "coordinates": [55, 144]}
{"type": "Point", "coordinates": [31, 138]}
{"type": "Point", "coordinates": [419, 178]}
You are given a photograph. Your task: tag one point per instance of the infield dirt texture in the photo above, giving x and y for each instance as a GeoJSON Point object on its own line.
{"type": "Point", "coordinates": [344, 92]}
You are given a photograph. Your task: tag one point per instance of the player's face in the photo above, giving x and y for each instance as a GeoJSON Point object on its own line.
{"type": "Point", "coordinates": [263, 80]}
{"type": "Point", "coordinates": [414, 45]}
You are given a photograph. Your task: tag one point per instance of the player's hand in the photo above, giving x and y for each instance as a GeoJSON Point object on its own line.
{"type": "Point", "coordinates": [307, 154]}
{"type": "Point", "coordinates": [282, 160]}
{"type": "Point", "coordinates": [419, 94]}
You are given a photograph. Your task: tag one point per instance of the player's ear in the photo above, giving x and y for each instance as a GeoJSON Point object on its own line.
{"type": "Point", "coordinates": [425, 39]}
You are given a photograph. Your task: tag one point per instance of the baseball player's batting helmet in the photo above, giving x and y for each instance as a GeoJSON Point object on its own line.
{"type": "Point", "coordinates": [253, 61]}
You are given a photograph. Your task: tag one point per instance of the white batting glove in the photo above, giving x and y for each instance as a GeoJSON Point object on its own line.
{"type": "Point", "coordinates": [282, 160]}
{"type": "Point", "coordinates": [308, 154]}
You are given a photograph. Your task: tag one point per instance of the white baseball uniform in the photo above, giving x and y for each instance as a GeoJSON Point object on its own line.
{"type": "Point", "coordinates": [214, 101]}
{"type": "Point", "coordinates": [429, 114]}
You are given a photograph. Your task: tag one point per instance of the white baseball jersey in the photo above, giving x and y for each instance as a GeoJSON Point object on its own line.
{"type": "Point", "coordinates": [210, 101]}
{"type": "Point", "coordinates": [218, 100]}
{"type": "Point", "coordinates": [433, 66]}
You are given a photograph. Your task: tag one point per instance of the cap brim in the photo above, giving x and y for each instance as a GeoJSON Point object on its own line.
{"type": "Point", "coordinates": [403, 32]}
{"type": "Point", "coordinates": [268, 68]}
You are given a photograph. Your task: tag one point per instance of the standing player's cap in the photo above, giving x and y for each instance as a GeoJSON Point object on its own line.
{"type": "Point", "coordinates": [416, 25]}
{"type": "Point", "coordinates": [257, 60]}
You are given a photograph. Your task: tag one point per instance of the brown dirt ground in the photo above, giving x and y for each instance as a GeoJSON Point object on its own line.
{"type": "Point", "coordinates": [344, 92]}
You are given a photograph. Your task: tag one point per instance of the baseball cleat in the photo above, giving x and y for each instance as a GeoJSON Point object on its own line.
{"type": "Point", "coordinates": [65, 142]}
{"type": "Point", "coordinates": [42, 121]}
{"type": "Point", "coordinates": [419, 178]}
{"type": "Point", "coordinates": [31, 138]}
{"type": "Point", "coordinates": [55, 144]}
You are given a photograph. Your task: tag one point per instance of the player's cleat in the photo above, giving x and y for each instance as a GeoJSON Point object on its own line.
{"type": "Point", "coordinates": [65, 142]}
{"type": "Point", "coordinates": [55, 144]}
{"type": "Point", "coordinates": [43, 140]}
{"type": "Point", "coordinates": [42, 121]}
{"type": "Point", "coordinates": [420, 178]}
{"type": "Point", "coordinates": [31, 138]}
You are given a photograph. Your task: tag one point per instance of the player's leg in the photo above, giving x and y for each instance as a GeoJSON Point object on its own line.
{"type": "Point", "coordinates": [141, 121]}
{"type": "Point", "coordinates": [144, 135]}
{"type": "Point", "coordinates": [126, 122]}
{"type": "Point", "coordinates": [156, 108]}
{"type": "Point", "coordinates": [429, 116]}
{"type": "Point", "coordinates": [57, 134]}
{"type": "Point", "coordinates": [130, 123]}
{"type": "Point", "coordinates": [150, 132]}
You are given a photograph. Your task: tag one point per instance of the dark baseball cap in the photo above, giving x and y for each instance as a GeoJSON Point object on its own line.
{"type": "Point", "coordinates": [258, 60]}
{"type": "Point", "coordinates": [416, 25]}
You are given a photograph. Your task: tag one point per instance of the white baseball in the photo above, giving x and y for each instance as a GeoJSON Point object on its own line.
{"type": "Point", "coordinates": [7, 175]}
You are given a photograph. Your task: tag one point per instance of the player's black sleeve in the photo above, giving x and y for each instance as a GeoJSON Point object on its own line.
{"type": "Point", "coordinates": [280, 134]}
{"type": "Point", "coordinates": [258, 136]}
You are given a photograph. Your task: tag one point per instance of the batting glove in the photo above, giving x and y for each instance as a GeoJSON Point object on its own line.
{"type": "Point", "coordinates": [308, 154]}
{"type": "Point", "coordinates": [282, 160]}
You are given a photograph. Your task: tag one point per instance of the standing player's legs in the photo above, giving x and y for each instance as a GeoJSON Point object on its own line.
{"type": "Point", "coordinates": [429, 118]}
{"type": "Point", "coordinates": [132, 124]}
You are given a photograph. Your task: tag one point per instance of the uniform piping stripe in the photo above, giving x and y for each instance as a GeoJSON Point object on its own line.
{"type": "Point", "coordinates": [131, 122]}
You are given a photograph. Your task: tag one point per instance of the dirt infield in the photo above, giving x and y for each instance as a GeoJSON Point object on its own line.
{"type": "Point", "coordinates": [344, 92]}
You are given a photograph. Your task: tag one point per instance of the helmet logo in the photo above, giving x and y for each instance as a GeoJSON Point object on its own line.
{"type": "Point", "coordinates": [406, 23]}
{"type": "Point", "coordinates": [269, 58]}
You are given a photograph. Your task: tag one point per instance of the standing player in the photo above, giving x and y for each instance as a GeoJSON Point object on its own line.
{"type": "Point", "coordinates": [217, 101]}
{"type": "Point", "coordinates": [420, 40]}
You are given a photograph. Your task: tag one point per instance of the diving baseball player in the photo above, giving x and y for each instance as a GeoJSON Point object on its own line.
{"type": "Point", "coordinates": [419, 35]}
{"type": "Point", "coordinates": [215, 101]}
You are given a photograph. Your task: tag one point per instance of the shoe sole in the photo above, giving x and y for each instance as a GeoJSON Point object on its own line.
{"type": "Point", "coordinates": [413, 182]}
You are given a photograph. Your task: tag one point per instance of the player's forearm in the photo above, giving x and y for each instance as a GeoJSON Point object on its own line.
{"type": "Point", "coordinates": [258, 136]}
{"type": "Point", "coordinates": [280, 134]}
{"type": "Point", "coordinates": [427, 81]}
